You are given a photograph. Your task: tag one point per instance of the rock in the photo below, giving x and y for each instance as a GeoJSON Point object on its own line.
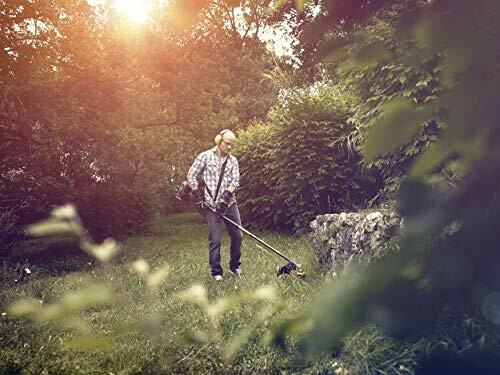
{"type": "Point", "coordinates": [340, 239]}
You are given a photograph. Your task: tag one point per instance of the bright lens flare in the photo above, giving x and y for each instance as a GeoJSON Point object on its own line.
{"type": "Point", "coordinates": [136, 11]}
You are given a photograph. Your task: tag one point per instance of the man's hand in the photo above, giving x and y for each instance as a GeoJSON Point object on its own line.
{"type": "Point", "coordinates": [226, 196]}
{"type": "Point", "coordinates": [223, 203]}
{"type": "Point", "coordinates": [198, 197]}
{"type": "Point", "coordinates": [199, 201]}
{"type": "Point", "coordinates": [221, 207]}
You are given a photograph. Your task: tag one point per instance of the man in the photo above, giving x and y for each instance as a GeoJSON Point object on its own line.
{"type": "Point", "coordinates": [219, 194]}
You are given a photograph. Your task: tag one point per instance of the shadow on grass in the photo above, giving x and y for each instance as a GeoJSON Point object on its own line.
{"type": "Point", "coordinates": [53, 256]}
{"type": "Point", "coordinates": [59, 255]}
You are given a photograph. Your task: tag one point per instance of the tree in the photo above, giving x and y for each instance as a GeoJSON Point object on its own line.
{"type": "Point", "coordinates": [44, 74]}
{"type": "Point", "coordinates": [446, 263]}
{"type": "Point", "coordinates": [92, 109]}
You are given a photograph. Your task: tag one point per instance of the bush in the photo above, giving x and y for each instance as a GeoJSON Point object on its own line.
{"type": "Point", "coordinates": [114, 209]}
{"type": "Point", "coordinates": [380, 86]}
{"type": "Point", "coordinates": [10, 231]}
{"type": "Point", "coordinates": [295, 167]}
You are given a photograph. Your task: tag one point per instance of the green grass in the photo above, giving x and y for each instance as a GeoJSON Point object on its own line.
{"type": "Point", "coordinates": [144, 330]}
{"type": "Point", "coordinates": [189, 324]}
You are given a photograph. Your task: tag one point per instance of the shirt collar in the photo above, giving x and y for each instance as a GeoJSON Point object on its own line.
{"type": "Point", "coordinates": [214, 150]}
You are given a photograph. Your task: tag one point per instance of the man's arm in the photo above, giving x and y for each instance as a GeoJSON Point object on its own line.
{"type": "Point", "coordinates": [194, 171]}
{"type": "Point", "coordinates": [235, 177]}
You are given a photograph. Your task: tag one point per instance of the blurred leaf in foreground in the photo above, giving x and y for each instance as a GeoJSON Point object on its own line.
{"type": "Point", "coordinates": [65, 220]}
{"type": "Point", "coordinates": [196, 294]}
{"type": "Point", "coordinates": [186, 12]}
{"type": "Point", "coordinates": [156, 278]}
{"type": "Point", "coordinates": [141, 267]}
{"type": "Point", "coordinates": [371, 55]}
{"type": "Point", "coordinates": [92, 296]}
{"type": "Point", "coordinates": [52, 227]}
{"type": "Point", "coordinates": [104, 251]}
{"type": "Point", "coordinates": [399, 122]}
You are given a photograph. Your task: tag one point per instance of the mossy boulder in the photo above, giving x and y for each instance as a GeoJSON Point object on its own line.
{"type": "Point", "coordinates": [340, 239]}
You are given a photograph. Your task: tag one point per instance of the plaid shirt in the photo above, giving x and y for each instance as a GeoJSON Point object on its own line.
{"type": "Point", "coordinates": [209, 165]}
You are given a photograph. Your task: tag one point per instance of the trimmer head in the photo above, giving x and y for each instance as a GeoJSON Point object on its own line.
{"type": "Point", "coordinates": [289, 267]}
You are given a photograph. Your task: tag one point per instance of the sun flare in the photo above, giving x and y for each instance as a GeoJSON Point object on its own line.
{"type": "Point", "coordinates": [136, 11]}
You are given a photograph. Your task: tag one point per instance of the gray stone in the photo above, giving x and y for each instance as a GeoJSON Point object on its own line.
{"type": "Point", "coordinates": [341, 239]}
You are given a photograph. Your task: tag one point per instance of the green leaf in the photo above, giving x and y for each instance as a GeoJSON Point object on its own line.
{"type": "Point", "coordinates": [196, 337]}
{"type": "Point", "coordinates": [237, 342]}
{"type": "Point", "coordinates": [299, 324]}
{"type": "Point", "coordinates": [51, 227]}
{"type": "Point", "coordinates": [457, 60]}
{"type": "Point", "coordinates": [300, 4]}
{"type": "Point", "coordinates": [315, 30]}
{"type": "Point", "coordinates": [218, 308]}
{"type": "Point", "coordinates": [443, 149]}
{"type": "Point", "coordinates": [24, 307]}
{"type": "Point", "coordinates": [279, 3]}
{"type": "Point", "coordinates": [186, 12]}
{"type": "Point", "coordinates": [430, 32]}
{"type": "Point", "coordinates": [422, 83]}
{"type": "Point", "coordinates": [92, 296]}
{"type": "Point", "coordinates": [371, 55]}
{"type": "Point", "coordinates": [104, 251]}
{"type": "Point", "coordinates": [196, 294]}
{"type": "Point", "coordinates": [398, 125]}
{"type": "Point", "coordinates": [157, 277]}
{"type": "Point", "coordinates": [334, 50]}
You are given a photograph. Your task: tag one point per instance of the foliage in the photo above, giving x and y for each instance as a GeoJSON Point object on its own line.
{"type": "Point", "coordinates": [90, 104]}
{"type": "Point", "coordinates": [114, 210]}
{"type": "Point", "coordinates": [80, 94]}
{"type": "Point", "coordinates": [435, 270]}
{"type": "Point", "coordinates": [172, 326]}
{"type": "Point", "coordinates": [388, 75]}
{"type": "Point", "coordinates": [293, 167]}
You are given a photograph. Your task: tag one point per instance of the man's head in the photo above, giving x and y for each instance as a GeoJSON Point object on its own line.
{"type": "Point", "coordinates": [225, 141]}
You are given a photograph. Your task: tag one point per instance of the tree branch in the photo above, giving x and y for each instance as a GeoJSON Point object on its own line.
{"type": "Point", "coordinates": [157, 124]}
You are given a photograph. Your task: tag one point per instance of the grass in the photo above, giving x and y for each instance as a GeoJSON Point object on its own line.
{"type": "Point", "coordinates": [141, 330]}
{"type": "Point", "coordinates": [187, 324]}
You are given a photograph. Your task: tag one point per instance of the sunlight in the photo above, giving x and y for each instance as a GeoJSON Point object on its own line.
{"type": "Point", "coordinates": [136, 11]}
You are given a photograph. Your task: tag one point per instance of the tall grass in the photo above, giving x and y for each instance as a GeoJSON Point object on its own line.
{"type": "Point", "coordinates": [187, 324]}
{"type": "Point", "coordinates": [155, 331]}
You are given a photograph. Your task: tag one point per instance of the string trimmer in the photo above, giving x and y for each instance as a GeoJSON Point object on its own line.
{"type": "Point", "coordinates": [287, 268]}
{"type": "Point", "coordinates": [184, 193]}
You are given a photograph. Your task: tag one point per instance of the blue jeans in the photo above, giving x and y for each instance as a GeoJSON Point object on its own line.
{"type": "Point", "coordinates": [215, 235]}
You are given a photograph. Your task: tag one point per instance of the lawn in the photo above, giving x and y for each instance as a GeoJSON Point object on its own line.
{"type": "Point", "coordinates": [184, 322]}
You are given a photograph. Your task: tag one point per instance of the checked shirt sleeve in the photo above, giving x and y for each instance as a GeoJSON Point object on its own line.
{"type": "Point", "coordinates": [195, 170]}
{"type": "Point", "coordinates": [235, 175]}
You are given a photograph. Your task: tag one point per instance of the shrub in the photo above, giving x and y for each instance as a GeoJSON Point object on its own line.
{"type": "Point", "coordinates": [383, 85]}
{"type": "Point", "coordinates": [113, 209]}
{"type": "Point", "coordinates": [10, 231]}
{"type": "Point", "coordinates": [294, 167]}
